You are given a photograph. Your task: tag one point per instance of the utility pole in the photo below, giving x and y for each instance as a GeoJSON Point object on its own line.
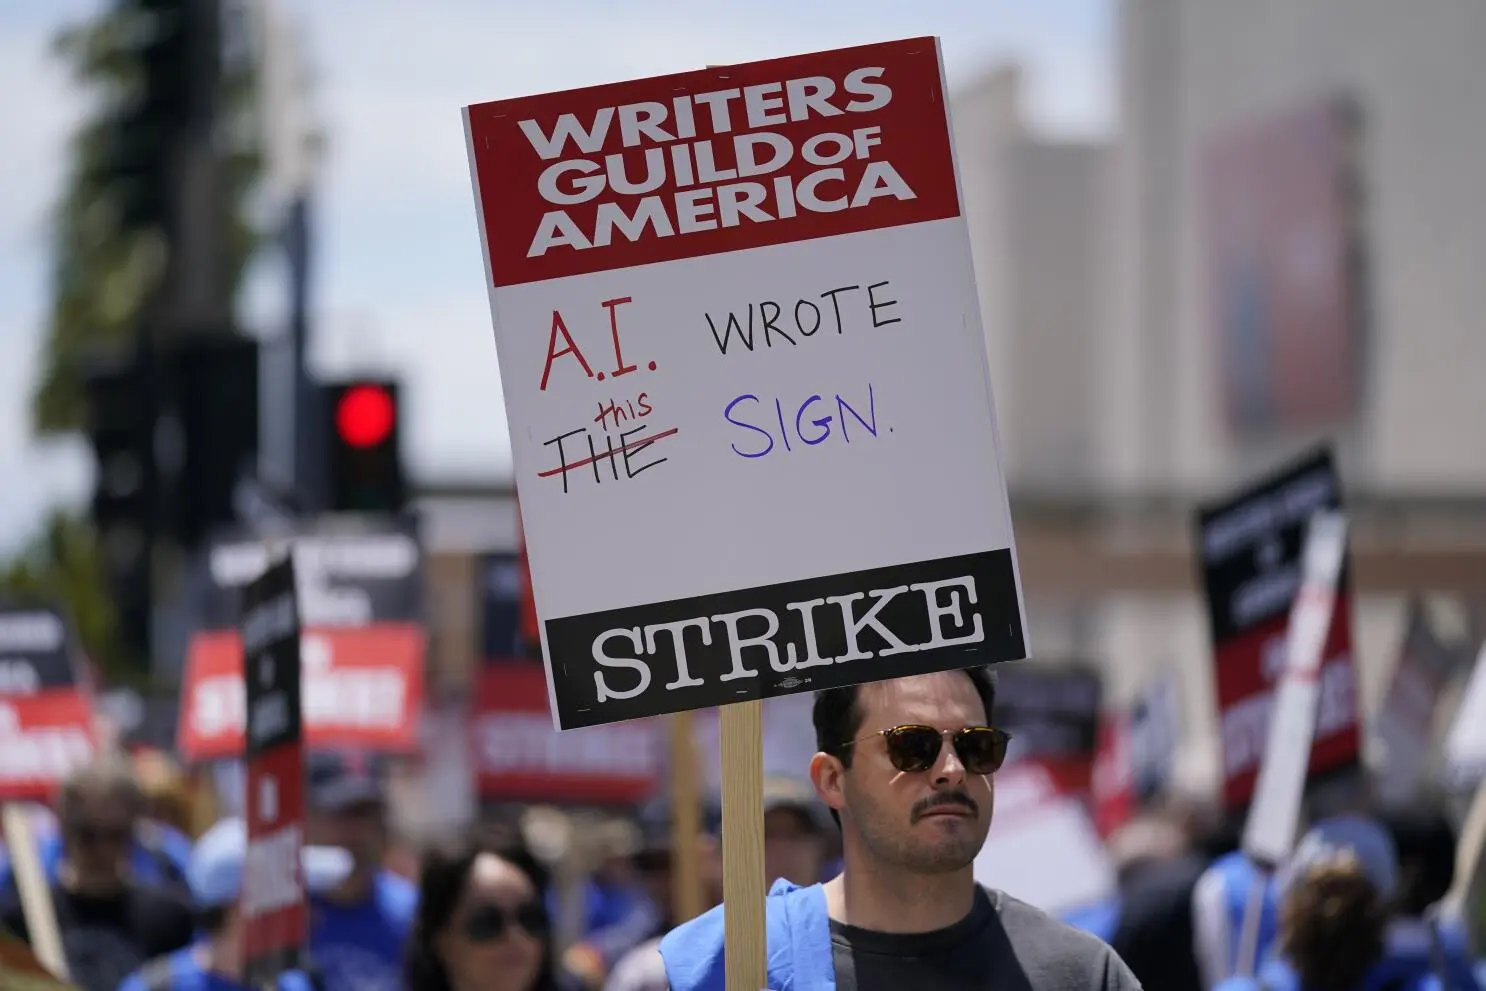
{"type": "Point", "coordinates": [293, 453]}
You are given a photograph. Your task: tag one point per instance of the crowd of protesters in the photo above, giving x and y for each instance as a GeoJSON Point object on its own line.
{"type": "Point", "coordinates": [869, 850]}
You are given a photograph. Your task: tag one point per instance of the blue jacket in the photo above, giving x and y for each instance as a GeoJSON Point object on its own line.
{"type": "Point", "coordinates": [798, 934]}
{"type": "Point", "coordinates": [1219, 927]}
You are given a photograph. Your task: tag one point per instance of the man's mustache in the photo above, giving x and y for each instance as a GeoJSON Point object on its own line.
{"type": "Point", "coordinates": [942, 801]}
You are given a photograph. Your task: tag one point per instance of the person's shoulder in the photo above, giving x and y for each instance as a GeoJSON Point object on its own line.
{"type": "Point", "coordinates": [641, 969]}
{"type": "Point", "coordinates": [168, 840]}
{"type": "Point", "coordinates": [1049, 946]}
{"type": "Point", "coordinates": [161, 971]}
{"type": "Point", "coordinates": [1024, 921]}
{"type": "Point", "coordinates": [397, 895]}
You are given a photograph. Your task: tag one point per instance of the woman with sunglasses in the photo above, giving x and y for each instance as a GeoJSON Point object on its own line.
{"type": "Point", "coordinates": [481, 924]}
{"type": "Point", "coordinates": [907, 768]}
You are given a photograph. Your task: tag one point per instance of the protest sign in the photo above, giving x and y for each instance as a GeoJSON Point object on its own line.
{"type": "Point", "coordinates": [1249, 550]}
{"type": "Point", "coordinates": [363, 649]}
{"type": "Point", "coordinates": [46, 716]}
{"type": "Point", "coordinates": [273, 899]}
{"type": "Point", "coordinates": [520, 757]}
{"type": "Point", "coordinates": [1406, 719]}
{"type": "Point", "coordinates": [1053, 714]}
{"type": "Point", "coordinates": [745, 376]}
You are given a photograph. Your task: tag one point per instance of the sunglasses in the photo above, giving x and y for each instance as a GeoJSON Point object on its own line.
{"type": "Point", "coordinates": [487, 923]}
{"type": "Point", "coordinates": [914, 749]}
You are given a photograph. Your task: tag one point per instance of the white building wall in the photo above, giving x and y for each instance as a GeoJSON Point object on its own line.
{"type": "Point", "coordinates": [1104, 362]}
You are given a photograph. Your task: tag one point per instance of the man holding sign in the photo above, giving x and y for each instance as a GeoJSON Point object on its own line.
{"type": "Point", "coordinates": [756, 452]}
{"type": "Point", "coordinates": [907, 767]}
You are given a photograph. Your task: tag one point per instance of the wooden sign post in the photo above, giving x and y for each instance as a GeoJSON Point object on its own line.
{"type": "Point", "coordinates": [743, 883]}
{"type": "Point", "coordinates": [751, 419]}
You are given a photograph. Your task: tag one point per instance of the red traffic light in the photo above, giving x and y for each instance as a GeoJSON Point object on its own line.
{"type": "Point", "coordinates": [365, 415]}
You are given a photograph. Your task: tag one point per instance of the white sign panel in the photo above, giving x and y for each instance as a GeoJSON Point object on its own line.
{"type": "Point", "coordinates": [745, 377]}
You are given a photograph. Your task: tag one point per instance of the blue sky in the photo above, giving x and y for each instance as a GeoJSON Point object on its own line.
{"type": "Point", "coordinates": [399, 280]}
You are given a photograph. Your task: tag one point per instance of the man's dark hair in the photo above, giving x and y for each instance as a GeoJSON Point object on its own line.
{"type": "Point", "coordinates": [838, 717]}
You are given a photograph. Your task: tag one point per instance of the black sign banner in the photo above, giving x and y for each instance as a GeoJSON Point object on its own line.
{"type": "Point", "coordinates": [349, 575]}
{"type": "Point", "coordinates": [498, 584]}
{"type": "Point", "coordinates": [808, 635]}
{"type": "Point", "coordinates": [1052, 711]}
{"type": "Point", "coordinates": [36, 651]}
{"type": "Point", "coordinates": [273, 899]}
{"type": "Point", "coordinates": [1250, 544]}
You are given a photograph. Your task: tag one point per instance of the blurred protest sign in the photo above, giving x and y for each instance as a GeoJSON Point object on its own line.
{"type": "Point", "coordinates": [274, 910]}
{"type": "Point", "coordinates": [46, 716]}
{"type": "Point", "coordinates": [1249, 549]}
{"type": "Point", "coordinates": [519, 756]}
{"type": "Point", "coordinates": [1043, 846]}
{"type": "Point", "coordinates": [363, 649]}
{"type": "Point", "coordinates": [1406, 719]}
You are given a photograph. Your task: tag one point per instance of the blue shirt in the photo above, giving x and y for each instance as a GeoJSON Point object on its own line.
{"type": "Point", "coordinates": [361, 947]}
{"type": "Point", "coordinates": [186, 975]}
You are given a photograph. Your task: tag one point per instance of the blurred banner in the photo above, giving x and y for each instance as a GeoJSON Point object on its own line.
{"type": "Point", "coordinates": [1285, 275]}
{"type": "Point", "coordinates": [1113, 790]}
{"type": "Point", "coordinates": [363, 688]}
{"type": "Point", "coordinates": [1465, 747]}
{"type": "Point", "coordinates": [1406, 720]}
{"type": "Point", "coordinates": [788, 741]}
{"type": "Point", "coordinates": [1043, 847]}
{"type": "Point", "coordinates": [1155, 736]}
{"type": "Point", "coordinates": [521, 757]}
{"type": "Point", "coordinates": [360, 585]}
{"type": "Point", "coordinates": [366, 574]}
{"type": "Point", "coordinates": [1052, 712]}
{"type": "Point", "coordinates": [499, 583]}
{"type": "Point", "coordinates": [46, 716]}
{"type": "Point", "coordinates": [1249, 549]}
{"type": "Point", "coordinates": [1137, 752]}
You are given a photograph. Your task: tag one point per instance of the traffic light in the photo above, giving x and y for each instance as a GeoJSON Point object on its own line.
{"type": "Point", "coordinates": [366, 471]}
{"type": "Point", "coordinates": [211, 392]}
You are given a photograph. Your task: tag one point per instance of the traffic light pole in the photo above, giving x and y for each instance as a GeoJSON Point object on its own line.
{"type": "Point", "coordinates": [192, 297]}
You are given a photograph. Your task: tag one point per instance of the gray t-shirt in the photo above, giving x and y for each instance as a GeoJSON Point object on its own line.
{"type": "Point", "coordinates": [1003, 944]}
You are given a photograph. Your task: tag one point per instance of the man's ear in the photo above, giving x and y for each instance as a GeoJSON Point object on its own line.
{"type": "Point", "coordinates": [827, 774]}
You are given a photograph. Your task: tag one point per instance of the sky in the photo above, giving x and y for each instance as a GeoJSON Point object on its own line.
{"type": "Point", "coordinates": [398, 277]}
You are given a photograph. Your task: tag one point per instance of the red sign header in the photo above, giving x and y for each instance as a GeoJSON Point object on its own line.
{"type": "Point", "coordinates": [714, 160]}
